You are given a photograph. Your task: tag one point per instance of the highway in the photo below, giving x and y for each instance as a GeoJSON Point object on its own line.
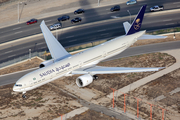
{"type": "Point", "coordinates": [93, 32]}
{"type": "Point", "coordinates": [91, 15]}
{"type": "Point", "coordinates": [112, 27]}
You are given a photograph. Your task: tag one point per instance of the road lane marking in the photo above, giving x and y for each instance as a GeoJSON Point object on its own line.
{"type": "Point", "coordinates": [73, 40]}
{"type": "Point", "coordinates": [16, 28]}
{"type": "Point", "coordinates": [48, 20]}
{"type": "Point", "coordinates": [176, 3]}
{"type": "Point", "coordinates": [18, 32]}
{"type": "Point", "coordinates": [105, 34]}
{"type": "Point", "coordinates": [11, 56]}
{"type": "Point", "coordinates": [170, 23]}
{"type": "Point", "coordinates": [101, 30]}
{"type": "Point", "coordinates": [8, 51]}
{"type": "Point", "coordinates": [70, 36]}
{"type": "Point", "coordinates": [167, 20]}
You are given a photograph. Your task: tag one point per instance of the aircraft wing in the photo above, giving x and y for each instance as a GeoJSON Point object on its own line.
{"type": "Point", "coordinates": [56, 49]}
{"type": "Point", "coordinates": [111, 70]}
{"type": "Point", "coordinates": [143, 37]}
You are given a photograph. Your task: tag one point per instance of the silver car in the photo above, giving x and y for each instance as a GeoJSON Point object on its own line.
{"type": "Point", "coordinates": [131, 2]}
{"type": "Point", "coordinates": [55, 26]}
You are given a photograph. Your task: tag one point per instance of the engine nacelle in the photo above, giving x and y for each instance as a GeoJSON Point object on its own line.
{"type": "Point", "coordinates": [84, 80]}
{"type": "Point", "coordinates": [46, 63]}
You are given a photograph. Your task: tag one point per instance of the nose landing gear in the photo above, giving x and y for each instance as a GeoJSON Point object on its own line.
{"type": "Point", "coordinates": [24, 95]}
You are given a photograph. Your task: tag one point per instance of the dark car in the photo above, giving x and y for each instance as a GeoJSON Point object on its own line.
{"type": "Point", "coordinates": [63, 18]}
{"type": "Point", "coordinates": [79, 11]}
{"type": "Point", "coordinates": [115, 8]}
{"type": "Point", "coordinates": [75, 20]}
{"type": "Point", "coordinates": [31, 21]}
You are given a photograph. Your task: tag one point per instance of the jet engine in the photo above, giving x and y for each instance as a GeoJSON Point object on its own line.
{"type": "Point", "coordinates": [84, 80]}
{"type": "Point", "coordinates": [46, 63]}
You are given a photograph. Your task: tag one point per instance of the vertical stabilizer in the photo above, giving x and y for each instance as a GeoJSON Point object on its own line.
{"type": "Point", "coordinates": [136, 25]}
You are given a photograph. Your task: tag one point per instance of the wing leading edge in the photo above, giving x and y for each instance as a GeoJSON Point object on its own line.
{"type": "Point", "coordinates": [56, 49]}
{"type": "Point", "coordinates": [112, 70]}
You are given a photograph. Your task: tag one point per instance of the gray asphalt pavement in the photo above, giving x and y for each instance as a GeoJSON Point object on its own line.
{"type": "Point", "coordinates": [89, 33]}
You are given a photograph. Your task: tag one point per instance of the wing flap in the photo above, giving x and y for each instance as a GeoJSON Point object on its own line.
{"type": "Point", "coordinates": [112, 70]}
{"type": "Point", "coordinates": [56, 49]}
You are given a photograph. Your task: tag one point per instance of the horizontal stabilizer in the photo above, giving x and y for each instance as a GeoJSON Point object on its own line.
{"type": "Point", "coordinates": [127, 26]}
{"type": "Point", "coordinates": [143, 37]}
{"type": "Point", "coordinates": [112, 70]}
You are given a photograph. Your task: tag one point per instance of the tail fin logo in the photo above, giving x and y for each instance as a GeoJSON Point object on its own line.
{"type": "Point", "coordinates": [137, 25]}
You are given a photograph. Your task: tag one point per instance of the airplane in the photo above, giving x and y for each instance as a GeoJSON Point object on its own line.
{"type": "Point", "coordinates": [65, 64]}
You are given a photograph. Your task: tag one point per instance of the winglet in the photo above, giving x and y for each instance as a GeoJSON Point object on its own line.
{"type": "Point", "coordinates": [136, 25]}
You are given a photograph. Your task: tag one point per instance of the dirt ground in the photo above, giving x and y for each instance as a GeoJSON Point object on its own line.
{"type": "Point", "coordinates": [149, 93]}
{"type": "Point", "coordinates": [45, 102]}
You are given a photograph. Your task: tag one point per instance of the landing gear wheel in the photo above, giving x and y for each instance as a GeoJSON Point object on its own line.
{"type": "Point", "coordinates": [95, 77]}
{"type": "Point", "coordinates": [24, 96]}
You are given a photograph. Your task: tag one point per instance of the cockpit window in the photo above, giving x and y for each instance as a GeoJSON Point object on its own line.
{"type": "Point", "coordinates": [18, 85]}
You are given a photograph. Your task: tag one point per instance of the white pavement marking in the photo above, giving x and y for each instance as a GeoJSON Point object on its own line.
{"type": "Point", "coordinates": [170, 23]}
{"type": "Point", "coordinates": [168, 20]}
{"type": "Point", "coordinates": [176, 3]}
{"type": "Point", "coordinates": [18, 32]}
{"type": "Point", "coordinates": [105, 34]}
{"type": "Point", "coordinates": [16, 28]}
{"type": "Point", "coordinates": [11, 56]}
{"type": "Point", "coordinates": [73, 40]}
{"type": "Point", "coordinates": [101, 30]}
{"type": "Point", "coordinates": [70, 36]}
{"type": "Point", "coordinates": [48, 20]}
{"type": "Point", "coordinates": [8, 51]}
{"type": "Point", "coordinates": [115, 17]}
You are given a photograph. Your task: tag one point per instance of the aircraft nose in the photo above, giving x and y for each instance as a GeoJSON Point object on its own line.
{"type": "Point", "coordinates": [14, 88]}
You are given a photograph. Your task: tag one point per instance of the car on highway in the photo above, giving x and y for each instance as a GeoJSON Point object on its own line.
{"type": "Point", "coordinates": [63, 18]}
{"type": "Point", "coordinates": [31, 21]}
{"type": "Point", "coordinates": [156, 8]}
{"type": "Point", "coordinates": [131, 2]}
{"type": "Point", "coordinates": [55, 26]}
{"type": "Point", "coordinates": [115, 8]}
{"type": "Point", "coordinates": [79, 11]}
{"type": "Point", "coordinates": [75, 20]}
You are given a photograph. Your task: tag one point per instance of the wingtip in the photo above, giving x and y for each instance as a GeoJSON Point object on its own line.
{"type": "Point", "coordinates": [42, 22]}
{"type": "Point", "coordinates": [161, 68]}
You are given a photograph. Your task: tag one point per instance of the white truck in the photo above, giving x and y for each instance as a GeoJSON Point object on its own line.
{"type": "Point", "coordinates": [156, 8]}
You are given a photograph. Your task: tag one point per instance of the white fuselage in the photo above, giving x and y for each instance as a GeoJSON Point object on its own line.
{"type": "Point", "coordinates": [64, 67]}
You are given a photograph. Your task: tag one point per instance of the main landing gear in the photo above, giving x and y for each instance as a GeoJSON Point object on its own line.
{"type": "Point", "coordinates": [95, 77]}
{"type": "Point", "coordinates": [24, 95]}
